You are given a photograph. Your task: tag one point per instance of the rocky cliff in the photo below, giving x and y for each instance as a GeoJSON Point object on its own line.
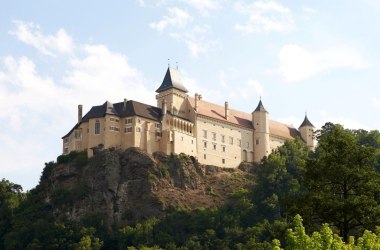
{"type": "Point", "coordinates": [122, 187]}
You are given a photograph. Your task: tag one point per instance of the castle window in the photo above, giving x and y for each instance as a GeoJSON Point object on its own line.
{"type": "Point", "coordinates": [97, 127]}
{"type": "Point", "coordinates": [113, 128]}
{"type": "Point", "coordinates": [204, 133]}
{"type": "Point", "coordinates": [157, 125]}
{"type": "Point", "coordinates": [247, 144]}
{"type": "Point", "coordinates": [138, 129]}
{"type": "Point", "coordinates": [231, 140]}
{"type": "Point", "coordinates": [128, 121]}
{"type": "Point", "coordinates": [204, 156]}
{"type": "Point", "coordinates": [223, 138]}
{"type": "Point", "coordinates": [214, 146]}
{"type": "Point", "coordinates": [113, 119]}
{"type": "Point", "coordinates": [223, 161]}
{"type": "Point", "coordinates": [224, 148]}
{"type": "Point", "coordinates": [239, 142]}
{"type": "Point", "coordinates": [214, 136]}
{"type": "Point", "coordinates": [205, 144]}
{"type": "Point", "coordinates": [128, 130]}
{"type": "Point", "coordinates": [257, 141]}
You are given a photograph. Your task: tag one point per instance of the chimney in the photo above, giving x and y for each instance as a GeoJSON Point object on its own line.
{"type": "Point", "coordinates": [80, 112]}
{"type": "Point", "coordinates": [125, 104]}
{"type": "Point", "coordinates": [164, 107]}
{"type": "Point", "coordinates": [226, 110]}
{"type": "Point", "coordinates": [196, 102]}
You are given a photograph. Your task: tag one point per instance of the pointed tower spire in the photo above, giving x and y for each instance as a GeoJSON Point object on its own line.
{"type": "Point", "coordinates": [260, 107]}
{"type": "Point", "coordinates": [172, 79]}
{"type": "Point", "coordinates": [306, 122]}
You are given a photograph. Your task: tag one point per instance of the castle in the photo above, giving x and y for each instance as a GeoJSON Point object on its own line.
{"type": "Point", "coordinates": [214, 134]}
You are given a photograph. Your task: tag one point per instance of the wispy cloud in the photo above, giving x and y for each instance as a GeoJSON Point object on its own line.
{"type": "Point", "coordinates": [308, 9]}
{"type": "Point", "coordinates": [31, 34]}
{"type": "Point", "coordinates": [46, 104]}
{"type": "Point", "coordinates": [196, 40]}
{"type": "Point", "coordinates": [204, 6]}
{"type": "Point", "coordinates": [176, 18]}
{"type": "Point", "coordinates": [151, 3]}
{"type": "Point", "coordinates": [345, 121]}
{"type": "Point", "coordinates": [264, 16]}
{"type": "Point", "coordinates": [297, 63]}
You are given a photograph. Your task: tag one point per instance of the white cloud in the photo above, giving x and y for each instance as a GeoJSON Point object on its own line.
{"type": "Point", "coordinates": [292, 121]}
{"type": "Point", "coordinates": [252, 88]}
{"type": "Point", "coordinates": [31, 34]}
{"type": "Point", "coordinates": [347, 122]}
{"type": "Point", "coordinates": [204, 6]}
{"type": "Point", "coordinates": [257, 87]}
{"type": "Point", "coordinates": [196, 40]}
{"type": "Point", "coordinates": [308, 9]}
{"type": "Point", "coordinates": [102, 74]}
{"type": "Point", "coordinates": [264, 16]}
{"type": "Point", "coordinates": [151, 3]}
{"type": "Point", "coordinates": [175, 18]}
{"type": "Point", "coordinates": [297, 63]}
{"type": "Point", "coordinates": [38, 109]}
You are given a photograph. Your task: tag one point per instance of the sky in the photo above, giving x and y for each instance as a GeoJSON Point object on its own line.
{"type": "Point", "coordinates": [320, 57]}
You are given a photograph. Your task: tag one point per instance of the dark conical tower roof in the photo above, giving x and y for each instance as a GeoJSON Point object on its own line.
{"type": "Point", "coordinates": [260, 107]}
{"type": "Point", "coordinates": [306, 122]}
{"type": "Point", "coordinates": [171, 80]}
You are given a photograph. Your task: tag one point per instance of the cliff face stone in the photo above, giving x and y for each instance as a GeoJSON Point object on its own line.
{"type": "Point", "coordinates": [122, 187]}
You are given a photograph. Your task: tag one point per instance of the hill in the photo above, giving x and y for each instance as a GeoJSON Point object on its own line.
{"type": "Point", "coordinates": [124, 187]}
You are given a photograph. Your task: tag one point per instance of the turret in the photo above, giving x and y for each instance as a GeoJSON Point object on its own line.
{"type": "Point", "coordinates": [307, 132]}
{"type": "Point", "coordinates": [260, 121]}
{"type": "Point", "coordinates": [173, 92]}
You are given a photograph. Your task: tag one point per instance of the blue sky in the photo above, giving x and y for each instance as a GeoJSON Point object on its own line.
{"type": "Point", "coordinates": [322, 57]}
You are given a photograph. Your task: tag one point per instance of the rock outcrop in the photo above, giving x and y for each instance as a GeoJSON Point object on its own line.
{"type": "Point", "coordinates": [122, 187]}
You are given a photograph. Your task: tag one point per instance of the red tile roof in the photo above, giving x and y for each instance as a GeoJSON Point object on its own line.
{"type": "Point", "coordinates": [242, 119]}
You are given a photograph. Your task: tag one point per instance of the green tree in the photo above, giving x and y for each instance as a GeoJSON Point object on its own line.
{"type": "Point", "coordinates": [10, 197]}
{"type": "Point", "coordinates": [279, 181]}
{"type": "Point", "coordinates": [342, 181]}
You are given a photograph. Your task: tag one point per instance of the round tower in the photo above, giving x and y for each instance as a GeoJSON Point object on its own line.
{"type": "Point", "coordinates": [307, 132]}
{"type": "Point", "coordinates": [260, 121]}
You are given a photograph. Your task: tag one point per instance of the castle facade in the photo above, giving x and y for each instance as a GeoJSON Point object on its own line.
{"type": "Point", "coordinates": [214, 134]}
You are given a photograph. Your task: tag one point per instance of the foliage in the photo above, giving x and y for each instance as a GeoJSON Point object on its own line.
{"type": "Point", "coordinates": [336, 190]}
{"type": "Point", "coordinates": [342, 181]}
{"type": "Point", "coordinates": [78, 159]}
{"type": "Point", "coordinates": [10, 198]}
{"type": "Point", "coordinates": [279, 181]}
{"type": "Point", "coordinates": [298, 239]}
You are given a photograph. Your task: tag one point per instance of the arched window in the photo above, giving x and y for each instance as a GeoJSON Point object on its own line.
{"type": "Point", "coordinates": [97, 127]}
